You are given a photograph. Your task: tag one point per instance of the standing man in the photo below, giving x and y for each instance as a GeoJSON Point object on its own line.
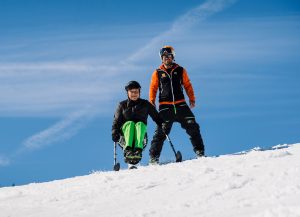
{"type": "Point", "coordinates": [170, 78]}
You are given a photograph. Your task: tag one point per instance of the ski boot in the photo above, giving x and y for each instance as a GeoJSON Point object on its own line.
{"type": "Point", "coordinates": [200, 153]}
{"type": "Point", "coordinates": [133, 157]}
{"type": "Point", "coordinates": [153, 161]}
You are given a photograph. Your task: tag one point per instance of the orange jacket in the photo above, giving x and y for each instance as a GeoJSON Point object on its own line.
{"type": "Point", "coordinates": [170, 85]}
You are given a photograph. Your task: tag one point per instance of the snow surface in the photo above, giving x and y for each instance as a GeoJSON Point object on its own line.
{"type": "Point", "coordinates": [258, 183]}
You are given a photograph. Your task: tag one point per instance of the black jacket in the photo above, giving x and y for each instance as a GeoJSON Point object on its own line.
{"type": "Point", "coordinates": [170, 83]}
{"type": "Point", "coordinates": [135, 111]}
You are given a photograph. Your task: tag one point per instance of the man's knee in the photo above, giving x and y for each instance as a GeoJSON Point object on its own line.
{"type": "Point", "coordinates": [166, 128]}
{"type": "Point", "coordinates": [156, 144]}
{"type": "Point", "coordinates": [160, 134]}
{"type": "Point", "coordinates": [192, 127]}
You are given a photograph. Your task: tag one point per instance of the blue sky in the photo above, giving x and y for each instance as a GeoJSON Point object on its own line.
{"type": "Point", "coordinates": [64, 65]}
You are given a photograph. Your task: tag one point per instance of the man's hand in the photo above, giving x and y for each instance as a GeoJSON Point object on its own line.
{"type": "Point", "coordinates": [192, 104]}
{"type": "Point", "coordinates": [164, 128]}
{"type": "Point", "coordinates": [115, 136]}
{"type": "Point", "coordinates": [153, 103]}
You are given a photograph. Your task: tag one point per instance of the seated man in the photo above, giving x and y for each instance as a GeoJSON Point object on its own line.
{"type": "Point", "coordinates": [132, 154]}
{"type": "Point", "coordinates": [130, 122]}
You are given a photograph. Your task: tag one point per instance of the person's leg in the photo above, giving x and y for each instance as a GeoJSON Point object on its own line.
{"type": "Point", "coordinates": [140, 131]}
{"type": "Point", "coordinates": [128, 131]}
{"type": "Point", "coordinates": [158, 141]}
{"type": "Point", "coordinates": [193, 130]}
{"type": "Point", "coordinates": [166, 113]}
{"type": "Point", "coordinates": [130, 155]}
{"type": "Point", "coordinates": [188, 122]}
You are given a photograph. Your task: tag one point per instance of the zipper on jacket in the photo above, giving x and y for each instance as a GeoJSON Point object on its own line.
{"type": "Point", "coordinates": [171, 73]}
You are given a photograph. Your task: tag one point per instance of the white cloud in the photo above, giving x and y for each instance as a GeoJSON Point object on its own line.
{"type": "Point", "coordinates": [62, 87]}
{"type": "Point", "coordinates": [180, 26]}
{"type": "Point", "coordinates": [55, 88]}
{"type": "Point", "coordinates": [60, 131]}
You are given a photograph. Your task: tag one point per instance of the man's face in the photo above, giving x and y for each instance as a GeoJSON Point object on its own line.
{"type": "Point", "coordinates": [167, 59]}
{"type": "Point", "coordinates": [133, 94]}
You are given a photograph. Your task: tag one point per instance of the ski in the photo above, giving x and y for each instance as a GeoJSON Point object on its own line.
{"type": "Point", "coordinates": [178, 154]}
{"type": "Point", "coordinates": [130, 167]}
{"type": "Point", "coordinates": [117, 167]}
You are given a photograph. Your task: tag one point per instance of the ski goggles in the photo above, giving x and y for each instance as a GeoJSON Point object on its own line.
{"type": "Point", "coordinates": [167, 56]}
{"type": "Point", "coordinates": [165, 51]}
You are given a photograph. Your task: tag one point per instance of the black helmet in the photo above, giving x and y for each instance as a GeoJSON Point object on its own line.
{"type": "Point", "coordinates": [132, 85]}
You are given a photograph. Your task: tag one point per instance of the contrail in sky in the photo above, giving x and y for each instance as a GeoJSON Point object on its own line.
{"type": "Point", "coordinates": [183, 23]}
{"type": "Point", "coordinates": [60, 131]}
{"type": "Point", "coordinates": [70, 125]}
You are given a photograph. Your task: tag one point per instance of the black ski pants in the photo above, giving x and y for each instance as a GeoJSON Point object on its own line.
{"type": "Point", "coordinates": [179, 113]}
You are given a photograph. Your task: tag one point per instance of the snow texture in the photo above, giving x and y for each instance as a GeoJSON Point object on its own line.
{"type": "Point", "coordinates": [255, 183]}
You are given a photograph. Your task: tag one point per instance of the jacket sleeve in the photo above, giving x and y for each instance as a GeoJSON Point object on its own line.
{"type": "Point", "coordinates": [153, 87]}
{"type": "Point", "coordinates": [154, 114]}
{"type": "Point", "coordinates": [188, 86]}
{"type": "Point", "coordinates": [118, 120]}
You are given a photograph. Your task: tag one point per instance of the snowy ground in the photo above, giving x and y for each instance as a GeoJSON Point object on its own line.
{"type": "Point", "coordinates": [257, 184]}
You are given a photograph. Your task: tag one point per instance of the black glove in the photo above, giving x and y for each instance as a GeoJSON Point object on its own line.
{"type": "Point", "coordinates": [164, 128]}
{"type": "Point", "coordinates": [115, 136]}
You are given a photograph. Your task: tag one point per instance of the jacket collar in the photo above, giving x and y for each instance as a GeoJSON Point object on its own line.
{"type": "Point", "coordinates": [162, 67]}
{"type": "Point", "coordinates": [132, 103]}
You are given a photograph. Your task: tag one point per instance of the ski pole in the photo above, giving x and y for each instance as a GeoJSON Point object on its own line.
{"type": "Point", "coordinates": [178, 155]}
{"type": "Point", "coordinates": [116, 165]}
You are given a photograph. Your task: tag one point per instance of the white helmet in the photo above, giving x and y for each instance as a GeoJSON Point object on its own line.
{"type": "Point", "coordinates": [167, 50]}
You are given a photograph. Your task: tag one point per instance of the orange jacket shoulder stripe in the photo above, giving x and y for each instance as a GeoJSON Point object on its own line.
{"type": "Point", "coordinates": [153, 87]}
{"type": "Point", "coordinates": [188, 86]}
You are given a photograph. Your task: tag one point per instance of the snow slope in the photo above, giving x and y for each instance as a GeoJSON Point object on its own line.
{"type": "Point", "coordinates": [258, 183]}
